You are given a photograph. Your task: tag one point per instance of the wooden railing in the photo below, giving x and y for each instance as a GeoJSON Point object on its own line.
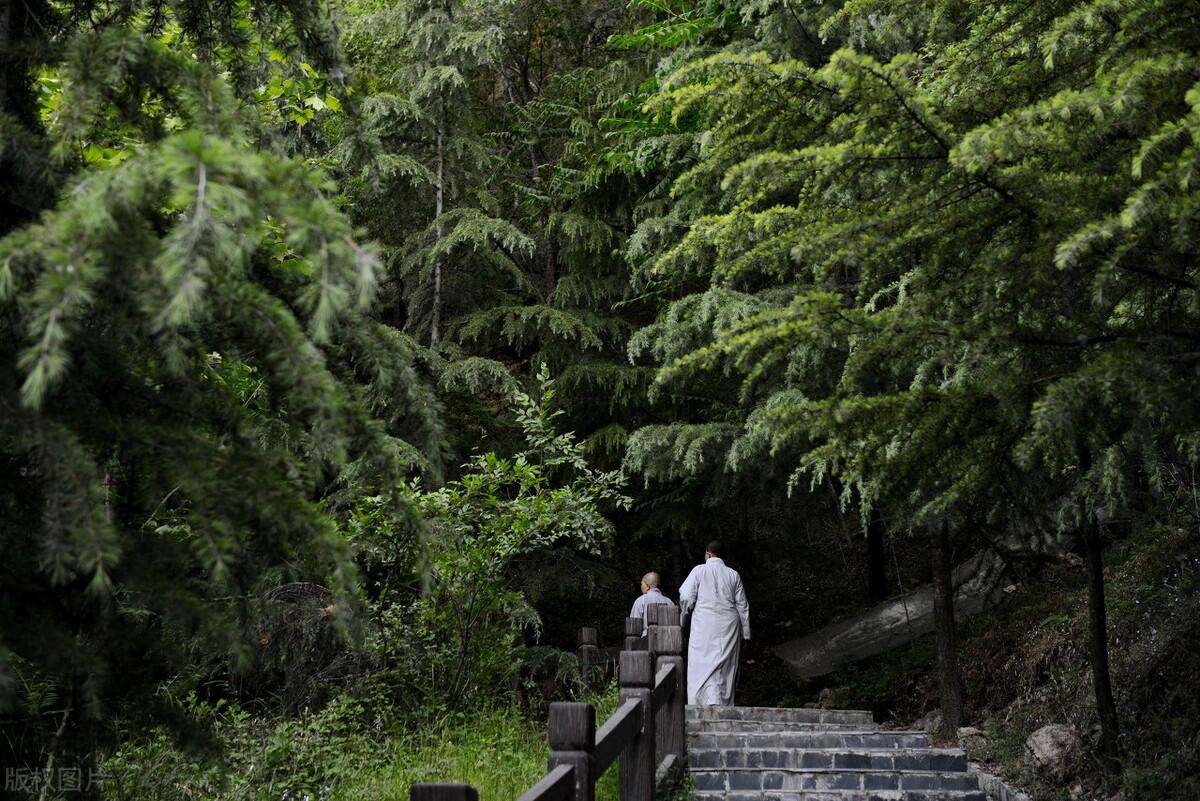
{"type": "Point", "coordinates": [644, 735]}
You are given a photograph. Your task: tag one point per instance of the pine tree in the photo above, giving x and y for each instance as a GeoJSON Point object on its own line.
{"type": "Point", "coordinates": [539, 279]}
{"type": "Point", "coordinates": [182, 398]}
{"type": "Point", "coordinates": [967, 272]}
{"type": "Point", "coordinates": [426, 63]}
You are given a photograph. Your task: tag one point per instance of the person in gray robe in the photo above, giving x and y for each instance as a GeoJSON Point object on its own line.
{"type": "Point", "coordinates": [651, 594]}
{"type": "Point", "coordinates": [713, 599]}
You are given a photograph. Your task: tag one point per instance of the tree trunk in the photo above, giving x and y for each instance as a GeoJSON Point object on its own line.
{"type": "Point", "coordinates": [5, 27]}
{"type": "Point", "coordinates": [1098, 632]}
{"type": "Point", "coordinates": [440, 205]}
{"type": "Point", "coordinates": [949, 679]}
{"type": "Point", "coordinates": [877, 589]}
{"type": "Point", "coordinates": [436, 317]}
{"type": "Point", "coordinates": [550, 274]}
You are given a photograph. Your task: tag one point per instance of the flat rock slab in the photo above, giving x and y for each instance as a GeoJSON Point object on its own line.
{"type": "Point", "coordinates": [790, 780]}
{"type": "Point", "coordinates": [751, 726]}
{"type": "Point", "coordinates": [881, 759]}
{"type": "Point", "coordinates": [767, 714]}
{"type": "Point", "coordinates": [758, 741]}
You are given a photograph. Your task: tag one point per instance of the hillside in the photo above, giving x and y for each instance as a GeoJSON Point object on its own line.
{"type": "Point", "coordinates": [1026, 666]}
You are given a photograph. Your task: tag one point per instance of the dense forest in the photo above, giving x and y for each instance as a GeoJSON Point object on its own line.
{"type": "Point", "coordinates": [354, 353]}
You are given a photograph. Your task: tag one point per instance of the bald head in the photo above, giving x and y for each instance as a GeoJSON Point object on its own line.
{"type": "Point", "coordinates": [651, 579]}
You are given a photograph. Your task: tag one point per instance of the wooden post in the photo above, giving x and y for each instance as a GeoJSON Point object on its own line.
{"type": "Point", "coordinates": [668, 615]}
{"type": "Point", "coordinates": [572, 740]}
{"type": "Point", "coordinates": [588, 645]}
{"type": "Point", "coordinates": [442, 792]}
{"type": "Point", "coordinates": [637, 760]}
{"type": "Point", "coordinates": [633, 630]}
{"type": "Point", "coordinates": [666, 641]}
{"type": "Point", "coordinates": [653, 612]}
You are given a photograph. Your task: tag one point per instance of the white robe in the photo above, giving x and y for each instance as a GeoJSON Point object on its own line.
{"type": "Point", "coordinates": [713, 598]}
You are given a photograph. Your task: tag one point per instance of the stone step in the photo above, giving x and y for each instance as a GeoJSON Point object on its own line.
{"type": "Point", "coordinates": [841, 795]}
{"type": "Point", "coordinates": [793, 754]}
{"type": "Point", "coordinates": [780, 714]}
{"type": "Point", "coordinates": [751, 726]}
{"type": "Point", "coordinates": [772, 740]}
{"type": "Point", "coordinates": [794, 780]}
{"type": "Point", "coordinates": [943, 760]}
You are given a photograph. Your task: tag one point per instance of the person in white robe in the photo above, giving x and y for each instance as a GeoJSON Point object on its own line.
{"type": "Point", "coordinates": [651, 594]}
{"type": "Point", "coordinates": [713, 599]}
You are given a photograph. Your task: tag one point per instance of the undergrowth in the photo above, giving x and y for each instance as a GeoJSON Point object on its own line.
{"type": "Point", "coordinates": [1025, 665]}
{"type": "Point", "coordinates": [349, 750]}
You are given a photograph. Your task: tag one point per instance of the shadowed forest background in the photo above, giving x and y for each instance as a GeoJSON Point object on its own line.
{"type": "Point", "coordinates": [354, 354]}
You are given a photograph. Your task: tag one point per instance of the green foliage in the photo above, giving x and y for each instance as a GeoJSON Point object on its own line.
{"type": "Point", "coordinates": [352, 749]}
{"type": "Point", "coordinates": [313, 755]}
{"type": "Point", "coordinates": [925, 260]}
{"type": "Point", "coordinates": [497, 752]}
{"type": "Point", "coordinates": [520, 265]}
{"type": "Point", "coordinates": [460, 640]}
{"type": "Point", "coordinates": [960, 292]}
{"type": "Point", "coordinates": [685, 22]}
{"type": "Point", "coordinates": [423, 60]}
{"type": "Point", "coordinates": [181, 412]}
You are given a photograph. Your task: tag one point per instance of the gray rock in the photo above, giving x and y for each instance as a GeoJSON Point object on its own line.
{"type": "Point", "coordinates": [973, 740]}
{"type": "Point", "coordinates": [825, 699]}
{"type": "Point", "coordinates": [931, 722]}
{"type": "Point", "coordinates": [1054, 748]}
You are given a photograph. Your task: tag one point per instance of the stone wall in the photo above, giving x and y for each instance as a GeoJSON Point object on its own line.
{"type": "Point", "coordinates": [995, 787]}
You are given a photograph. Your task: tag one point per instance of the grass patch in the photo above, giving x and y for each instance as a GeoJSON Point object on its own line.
{"type": "Point", "coordinates": [499, 752]}
{"type": "Point", "coordinates": [343, 753]}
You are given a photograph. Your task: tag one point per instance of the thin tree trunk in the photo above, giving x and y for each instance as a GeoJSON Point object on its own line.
{"type": "Point", "coordinates": [1098, 632]}
{"type": "Point", "coordinates": [5, 27]}
{"type": "Point", "coordinates": [949, 678]}
{"type": "Point", "coordinates": [440, 205]}
{"type": "Point", "coordinates": [843, 527]}
{"type": "Point", "coordinates": [877, 589]}
{"type": "Point", "coordinates": [550, 274]}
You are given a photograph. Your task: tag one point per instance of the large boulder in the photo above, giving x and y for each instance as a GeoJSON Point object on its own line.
{"type": "Point", "coordinates": [1054, 749]}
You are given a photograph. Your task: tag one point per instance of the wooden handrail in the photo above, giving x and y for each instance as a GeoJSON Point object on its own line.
{"type": "Point", "coordinates": [644, 734]}
{"type": "Point", "coordinates": [666, 770]}
{"type": "Point", "coordinates": [557, 785]}
{"type": "Point", "coordinates": [616, 733]}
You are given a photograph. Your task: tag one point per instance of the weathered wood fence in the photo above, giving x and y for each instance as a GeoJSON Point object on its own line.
{"type": "Point", "coordinates": [644, 736]}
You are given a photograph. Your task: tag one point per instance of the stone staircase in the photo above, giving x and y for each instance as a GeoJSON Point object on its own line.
{"type": "Point", "coordinates": [765, 754]}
